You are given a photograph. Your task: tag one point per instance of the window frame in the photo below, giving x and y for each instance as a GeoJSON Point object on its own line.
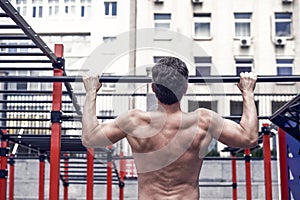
{"type": "Point", "coordinates": [162, 20]}
{"type": "Point", "coordinates": [283, 63]}
{"type": "Point", "coordinates": [110, 8]}
{"type": "Point", "coordinates": [204, 18]}
{"type": "Point", "coordinates": [243, 63]}
{"type": "Point", "coordinates": [202, 62]}
{"type": "Point", "coordinates": [282, 20]}
{"type": "Point", "coordinates": [242, 21]}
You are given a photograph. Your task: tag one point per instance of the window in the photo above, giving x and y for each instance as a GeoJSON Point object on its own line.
{"type": "Point", "coordinates": [70, 7]}
{"type": "Point", "coordinates": [37, 8]}
{"type": "Point", "coordinates": [201, 25]}
{"type": "Point", "coordinates": [12, 49]}
{"type": "Point", "coordinates": [243, 65]}
{"type": "Point", "coordinates": [242, 24]}
{"type": "Point", "coordinates": [53, 7]}
{"type": "Point", "coordinates": [236, 109]}
{"type": "Point", "coordinates": [109, 39]}
{"type": "Point", "coordinates": [193, 105]}
{"type": "Point", "coordinates": [162, 21]}
{"type": "Point", "coordinates": [284, 67]}
{"type": "Point", "coordinates": [276, 105]}
{"type": "Point", "coordinates": [110, 8]}
{"type": "Point", "coordinates": [22, 85]}
{"type": "Point", "coordinates": [37, 11]}
{"type": "Point", "coordinates": [283, 22]}
{"type": "Point", "coordinates": [85, 9]}
{"type": "Point", "coordinates": [21, 7]}
{"type": "Point", "coordinates": [203, 66]}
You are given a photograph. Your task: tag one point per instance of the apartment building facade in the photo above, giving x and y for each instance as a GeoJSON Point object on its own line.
{"type": "Point", "coordinates": [213, 37]}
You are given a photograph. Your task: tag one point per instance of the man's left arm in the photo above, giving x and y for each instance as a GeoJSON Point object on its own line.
{"type": "Point", "coordinates": [94, 133]}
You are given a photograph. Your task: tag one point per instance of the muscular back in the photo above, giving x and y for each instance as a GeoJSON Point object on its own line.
{"type": "Point", "coordinates": [166, 149]}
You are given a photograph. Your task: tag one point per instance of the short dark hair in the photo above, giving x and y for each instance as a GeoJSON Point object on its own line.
{"type": "Point", "coordinates": [170, 77]}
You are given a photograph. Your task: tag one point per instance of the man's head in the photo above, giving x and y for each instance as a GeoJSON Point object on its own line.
{"type": "Point", "coordinates": [170, 78]}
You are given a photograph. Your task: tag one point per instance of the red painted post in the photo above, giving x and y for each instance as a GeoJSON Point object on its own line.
{"type": "Point", "coordinates": [42, 158]}
{"type": "Point", "coordinates": [3, 168]}
{"type": "Point", "coordinates": [267, 161]}
{"type": "Point", "coordinates": [248, 174]}
{"type": "Point", "coordinates": [66, 173]}
{"type": "Point", "coordinates": [122, 175]}
{"type": "Point", "coordinates": [283, 164]}
{"type": "Point", "coordinates": [234, 179]}
{"type": "Point", "coordinates": [11, 177]}
{"type": "Point", "coordinates": [90, 174]}
{"type": "Point", "coordinates": [55, 130]}
{"type": "Point", "coordinates": [109, 174]}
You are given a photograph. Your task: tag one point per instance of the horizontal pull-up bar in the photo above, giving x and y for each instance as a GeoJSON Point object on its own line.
{"type": "Point", "coordinates": [145, 79]}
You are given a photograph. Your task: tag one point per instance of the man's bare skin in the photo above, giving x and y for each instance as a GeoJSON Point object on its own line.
{"type": "Point", "coordinates": [169, 145]}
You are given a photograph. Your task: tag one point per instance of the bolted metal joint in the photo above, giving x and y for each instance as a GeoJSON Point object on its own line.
{"type": "Point", "coordinates": [56, 116]}
{"type": "Point", "coordinates": [3, 173]}
{"type": "Point", "coordinates": [121, 184]}
{"type": "Point", "coordinates": [60, 64]}
{"type": "Point", "coordinates": [4, 151]}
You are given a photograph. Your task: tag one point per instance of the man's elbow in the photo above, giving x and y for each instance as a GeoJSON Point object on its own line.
{"type": "Point", "coordinates": [86, 142]}
{"type": "Point", "coordinates": [252, 142]}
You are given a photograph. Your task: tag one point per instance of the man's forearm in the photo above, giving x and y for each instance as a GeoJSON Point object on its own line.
{"type": "Point", "coordinates": [89, 118]}
{"type": "Point", "coordinates": [249, 120]}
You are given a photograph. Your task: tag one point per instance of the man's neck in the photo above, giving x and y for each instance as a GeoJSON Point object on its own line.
{"type": "Point", "coordinates": [169, 108]}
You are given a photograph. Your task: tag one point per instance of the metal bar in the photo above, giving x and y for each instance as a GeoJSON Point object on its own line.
{"type": "Point", "coordinates": [248, 174]}
{"type": "Point", "coordinates": [9, 26]}
{"type": "Point", "coordinates": [109, 175]}
{"type": "Point", "coordinates": [33, 101]}
{"type": "Point", "coordinates": [25, 61]}
{"type": "Point", "coordinates": [19, 20]}
{"type": "Point", "coordinates": [234, 179]}
{"type": "Point", "coordinates": [283, 164]}
{"type": "Point", "coordinates": [27, 69]}
{"type": "Point", "coordinates": [23, 119]}
{"type": "Point", "coordinates": [66, 176]}
{"type": "Point", "coordinates": [144, 79]}
{"type": "Point", "coordinates": [14, 37]}
{"type": "Point", "coordinates": [3, 15]}
{"type": "Point", "coordinates": [3, 166]}
{"type": "Point", "coordinates": [42, 158]}
{"type": "Point", "coordinates": [11, 177]}
{"type": "Point", "coordinates": [267, 161]}
{"type": "Point", "coordinates": [55, 133]}
{"type": "Point", "coordinates": [22, 54]}
{"type": "Point", "coordinates": [122, 175]}
{"type": "Point", "coordinates": [18, 46]}
{"type": "Point", "coordinates": [90, 174]}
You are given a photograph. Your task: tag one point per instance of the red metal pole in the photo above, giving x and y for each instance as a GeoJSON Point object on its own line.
{"type": "Point", "coordinates": [42, 177]}
{"type": "Point", "coordinates": [283, 164]}
{"type": "Point", "coordinates": [3, 168]}
{"type": "Point", "coordinates": [109, 174]}
{"type": "Point", "coordinates": [55, 130]}
{"type": "Point", "coordinates": [234, 180]}
{"type": "Point", "coordinates": [122, 175]}
{"type": "Point", "coordinates": [11, 177]}
{"type": "Point", "coordinates": [267, 161]}
{"type": "Point", "coordinates": [248, 174]}
{"type": "Point", "coordinates": [66, 183]}
{"type": "Point", "coordinates": [90, 174]}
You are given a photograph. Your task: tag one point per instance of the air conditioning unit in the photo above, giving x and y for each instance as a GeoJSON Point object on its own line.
{"type": "Point", "coordinates": [197, 1]}
{"type": "Point", "coordinates": [287, 1]}
{"type": "Point", "coordinates": [280, 41]}
{"type": "Point", "coordinates": [158, 1]}
{"type": "Point", "coordinates": [245, 42]}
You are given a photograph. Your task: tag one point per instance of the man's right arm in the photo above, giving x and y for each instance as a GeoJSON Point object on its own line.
{"type": "Point", "coordinates": [245, 134]}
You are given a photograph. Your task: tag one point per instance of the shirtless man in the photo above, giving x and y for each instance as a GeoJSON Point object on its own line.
{"type": "Point", "coordinates": [168, 145]}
